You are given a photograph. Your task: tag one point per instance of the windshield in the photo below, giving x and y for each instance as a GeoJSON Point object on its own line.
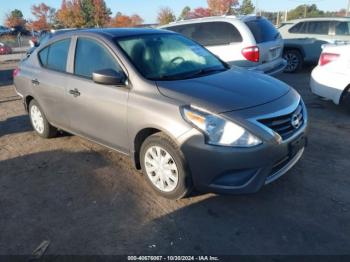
{"type": "Point", "coordinates": [169, 56]}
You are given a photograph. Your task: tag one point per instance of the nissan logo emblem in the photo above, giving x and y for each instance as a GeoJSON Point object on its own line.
{"type": "Point", "coordinates": [295, 121]}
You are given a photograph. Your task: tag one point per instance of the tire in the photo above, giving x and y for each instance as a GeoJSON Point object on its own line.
{"type": "Point", "coordinates": [172, 180]}
{"type": "Point", "coordinates": [294, 60]}
{"type": "Point", "coordinates": [345, 99]}
{"type": "Point", "coordinates": [39, 122]}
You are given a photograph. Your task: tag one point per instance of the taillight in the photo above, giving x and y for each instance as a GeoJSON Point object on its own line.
{"type": "Point", "coordinates": [15, 72]}
{"type": "Point", "coordinates": [326, 58]}
{"type": "Point", "coordinates": [2, 49]}
{"type": "Point", "coordinates": [251, 53]}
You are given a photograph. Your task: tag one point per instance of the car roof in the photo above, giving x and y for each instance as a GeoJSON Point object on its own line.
{"type": "Point", "coordinates": [244, 18]}
{"type": "Point", "coordinates": [347, 19]}
{"type": "Point", "coordinates": [112, 32]}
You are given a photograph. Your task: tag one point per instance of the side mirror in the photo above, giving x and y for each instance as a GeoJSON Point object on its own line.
{"type": "Point", "coordinates": [108, 77]}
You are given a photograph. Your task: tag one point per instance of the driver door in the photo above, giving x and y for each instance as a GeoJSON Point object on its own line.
{"type": "Point", "coordinates": [97, 111]}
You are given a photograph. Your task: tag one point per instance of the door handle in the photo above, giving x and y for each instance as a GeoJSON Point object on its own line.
{"type": "Point", "coordinates": [35, 82]}
{"type": "Point", "coordinates": [75, 92]}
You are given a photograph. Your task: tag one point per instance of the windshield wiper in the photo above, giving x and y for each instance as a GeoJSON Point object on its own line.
{"type": "Point", "coordinates": [191, 74]}
{"type": "Point", "coordinates": [207, 71]}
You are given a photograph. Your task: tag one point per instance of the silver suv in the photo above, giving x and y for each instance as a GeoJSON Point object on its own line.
{"type": "Point", "coordinates": [303, 38]}
{"type": "Point", "coordinates": [251, 42]}
{"type": "Point", "coordinates": [182, 115]}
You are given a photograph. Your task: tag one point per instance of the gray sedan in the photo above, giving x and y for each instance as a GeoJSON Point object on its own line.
{"type": "Point", "coordinates": [184, 117]}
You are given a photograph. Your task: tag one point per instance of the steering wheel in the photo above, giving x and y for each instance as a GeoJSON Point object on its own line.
{"type": "Point", "coordinates": [181, 60]}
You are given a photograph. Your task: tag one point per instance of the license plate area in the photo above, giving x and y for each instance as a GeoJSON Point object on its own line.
{"type": "Point", "coordinates": [296, 145]}
{"type": "Point", "coordinates": [274, 53]}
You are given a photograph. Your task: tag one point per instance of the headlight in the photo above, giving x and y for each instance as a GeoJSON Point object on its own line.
{"type": "Point", "coordinates": [218, 130]}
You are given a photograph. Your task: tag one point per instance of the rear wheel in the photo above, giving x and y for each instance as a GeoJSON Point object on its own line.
{"type": "Point", "coordinates": [164, 166]}
{"type": "Point", "coordinates": [345, 99]}
{"type": "Point", "coordinates": [294, 60]}
{"type": "Point", "coordinates": [39, 122]}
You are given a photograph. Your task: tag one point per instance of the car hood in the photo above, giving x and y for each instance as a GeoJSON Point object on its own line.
{"type": "Point", "coordinates": [234, 89]}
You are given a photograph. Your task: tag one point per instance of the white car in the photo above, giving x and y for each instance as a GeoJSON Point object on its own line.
{"type": "Point", "coordinates": [251, 42]}
{"type": "Point", "coordinates": [4, 30]}
{"type": "Point", "coordinates": [331, 78]}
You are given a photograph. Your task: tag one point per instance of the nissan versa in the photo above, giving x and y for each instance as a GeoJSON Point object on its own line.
{"type": "Point", "coordinates": [184, 117]}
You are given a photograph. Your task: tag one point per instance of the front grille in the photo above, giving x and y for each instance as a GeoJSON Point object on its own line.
{"type": "Point", "coordinates": [286, 125]}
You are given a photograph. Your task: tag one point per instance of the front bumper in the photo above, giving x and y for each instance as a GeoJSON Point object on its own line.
{"type": "Point", "coordinates": [241, 170]}
{"type": "Point", "coordinates": [236, 171]}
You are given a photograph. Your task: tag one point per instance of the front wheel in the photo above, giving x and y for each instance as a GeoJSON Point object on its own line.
{"type": "Point", "coordinates": [164, 166]}
{"type": "Point", "coordinates": [294, 60]}
{"type": "Point", "coordinates": [39, 122]}
{"type": "Point", "coordinates": [345, 99]}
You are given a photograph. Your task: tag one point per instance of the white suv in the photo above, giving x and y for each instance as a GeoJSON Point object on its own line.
{"type": "Point", "coordinates": [251, 42]}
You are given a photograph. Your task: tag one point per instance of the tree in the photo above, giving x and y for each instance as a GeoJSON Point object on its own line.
{"type": "Point", "coordinates": [136, 20]}
{"type": "Point", "coordinates": [44, 15]}
{"type": "Point", "coordinates": [305, 11]}
{"type": "Point", "coordinates": [246, 8]}
{"type": "Point", "coordinates": [184, 14]}
{"type": "Point", "coordinates": [83, 13]}
{"type": "Point", "coordinates": [341, 12]}
{"type": "Point", "coordinates": [95, 13]}
{"type": "Point", "coordinates": [165, 16]}
{"type": "Point", "coordinates": [14, 19]}
{"type": "Point", "coordinates": [199, 12]}
{"type": "Point", "coordinates": [221, 7]}
{"type": "Point", "coordinates": [70, 14]}
{"type": "Point", "coordinates": [121, 20]}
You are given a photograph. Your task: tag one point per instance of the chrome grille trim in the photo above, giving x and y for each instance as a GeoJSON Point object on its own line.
{"type": "Point", "coordinates": [286, 125]}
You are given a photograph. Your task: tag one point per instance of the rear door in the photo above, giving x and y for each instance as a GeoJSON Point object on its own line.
{"type": "Point", "coordinates": [97, 111]}
{"type": "Point", "coordinates": [267, 38]}
{"type": "Point", "coordinates": [50, 81]}
{"type": "Point", "coordinates": [340, 30]}
{"type": "Point", "coordinates": [320, 30]}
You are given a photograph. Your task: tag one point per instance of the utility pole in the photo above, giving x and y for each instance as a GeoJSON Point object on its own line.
{"type": "Point", "coordinates": [347, 9]}
{"type": "Point", "coordinates": [305, 10]}
{"type": "Point", "coordinates": [286, 16]}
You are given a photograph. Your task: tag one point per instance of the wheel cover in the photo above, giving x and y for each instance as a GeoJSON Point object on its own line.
{"type": "Point", "coordinates": [37, 119]}
{"type": "Point", "coordinates": [292, 60]}
{"type": "Point", "coordinates": [161, 169]}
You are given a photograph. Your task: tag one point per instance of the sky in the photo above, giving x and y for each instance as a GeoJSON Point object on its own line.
{"type": "Point", "coordinates": [147, 9]}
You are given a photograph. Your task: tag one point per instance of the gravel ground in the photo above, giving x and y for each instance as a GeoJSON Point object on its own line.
{"type": "Point", "coordinates": [86, 199]}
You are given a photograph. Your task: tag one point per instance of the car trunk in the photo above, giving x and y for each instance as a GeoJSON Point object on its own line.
{"type": "Point", "coordinates": [267, 39]}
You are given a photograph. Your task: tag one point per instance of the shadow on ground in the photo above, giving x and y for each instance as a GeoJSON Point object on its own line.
{"type": "Point", "coordinates": [6, 77]}
{"type": "Point", "coordinates": [84, 204]}
{"type": "Point", "coordinates": [16, 124]}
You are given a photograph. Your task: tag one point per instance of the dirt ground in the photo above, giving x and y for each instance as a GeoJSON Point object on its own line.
{"type": "Point", "coordinates": [86, 199]}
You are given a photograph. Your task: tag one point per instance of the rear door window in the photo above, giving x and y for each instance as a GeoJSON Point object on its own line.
{"type": "Point", "coordinates": [91, 56]}
{"type": "Point", "coordinates": [342, 28]}
{"type": "Point", "coordinates": [186, 30]}
{"type": "Point", "coordinates": [55, 56]}
{"type": "Point", "coordinates": [318, 27]}
{"type": "Point", "coordinates": [299, 28]}
{"type": "Point", "coordinates": [210, 33]}
{"type": "Point", "coordinates": [263, 30]}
